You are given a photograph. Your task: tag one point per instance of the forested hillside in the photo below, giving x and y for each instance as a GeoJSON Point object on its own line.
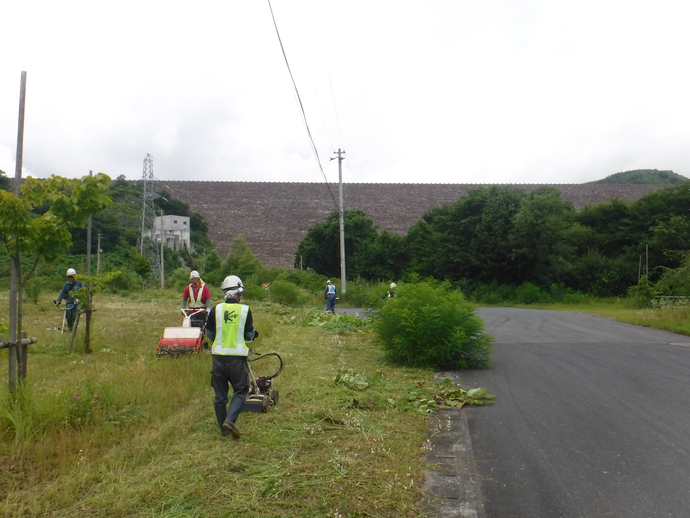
{"type": "Point", "coordinates": [644, 177]}
{"type": "Point", "coordinates": [506, 236]}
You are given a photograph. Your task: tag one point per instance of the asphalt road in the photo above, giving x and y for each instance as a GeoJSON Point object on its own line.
{"type": "Point", "coordinates": [591, 419]}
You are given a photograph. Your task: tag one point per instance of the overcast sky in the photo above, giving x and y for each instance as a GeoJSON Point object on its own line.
{"type": "Point", "coordinates": [425, 91]}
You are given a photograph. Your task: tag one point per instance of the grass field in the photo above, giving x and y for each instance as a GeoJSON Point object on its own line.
{"type": "Point", "coordinates": [120, 432]}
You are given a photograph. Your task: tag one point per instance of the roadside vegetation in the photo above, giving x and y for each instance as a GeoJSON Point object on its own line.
{"type": "Point", "coordinates": [120, 432]}
{"type": "Point", "coordinates": [508, 237]}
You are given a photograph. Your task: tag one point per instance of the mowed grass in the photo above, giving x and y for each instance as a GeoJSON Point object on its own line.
{"type": "Point", "coordinates": [120, 432]}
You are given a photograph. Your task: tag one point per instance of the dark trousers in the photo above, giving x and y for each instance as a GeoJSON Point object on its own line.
{"type": "Point", "coordinates": [229, 371]}
{"type": "Point", "coordinates": [71, 314]}
{"type": "Point", "coordinates": [330, 302]}
{"type": "Point", "coordinates": [198, 319]}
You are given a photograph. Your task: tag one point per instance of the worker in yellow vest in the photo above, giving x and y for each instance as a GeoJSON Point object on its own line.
{"type": "Point", "coordinates": [230, 327]}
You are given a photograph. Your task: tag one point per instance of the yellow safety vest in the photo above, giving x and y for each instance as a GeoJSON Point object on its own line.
{"type": "Point", "coordinates": [230, 322]}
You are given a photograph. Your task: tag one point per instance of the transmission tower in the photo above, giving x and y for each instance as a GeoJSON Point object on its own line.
{"type": "Point", "coordinates": [147, 244]}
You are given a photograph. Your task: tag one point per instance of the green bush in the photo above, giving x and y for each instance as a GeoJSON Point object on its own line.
{"type": "Point", "coordinates": [574, 298]}
{"type": "Point", "coordinates": [306, 279]}
{"type": "Point", "coordinates": [255, 292]}
{"type": "Point", "coordinates": [641, 296]}
{"type": "Point", "coordinates": [363, 294]}
{"type": "Point", "coordinates": [126, 281]}
{"type": "Point", "coordinates": [528, 293]}
{"type": "Point", "coordinates": [284, 292]}
{"type": "Point", "coordinates": [32, 290]}
{"type": "Point", "coordinates": [430, 325]}
{"type": "Point", "coordinates": [178, 279]}
{"type": "Point", "coordinates": [494, 294]}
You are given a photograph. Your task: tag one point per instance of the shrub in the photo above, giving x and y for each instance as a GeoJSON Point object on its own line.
{"type": "Point", "coordinates": [574, 298]}
{"type": "Point", "coordinates": [126, 281]}
{"type": "Point", "coordinates": [255, 292]}
{"type": "Point", "coordinates": [528, 293]}
{"type": "Point", "coordinates": [494, 294]}
{"type": "Point", "coordinates": [284, 292]}
{"type": "Point", "coordinates": [429, 325]}
{"type": "Point", "coordinates": [178, 279]}
{"type": "Point", "coordinates": [32, 290]}
{"type": "Point", "coordinates": [307, 279]}
{"type": "Point", "coordinates": [362, 294]}
{"type": "Point", "coordinates": [641, 296]}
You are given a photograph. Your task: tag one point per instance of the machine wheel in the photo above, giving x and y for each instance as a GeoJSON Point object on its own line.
{"type": "Point", "coordinates": [265, 403]}
{"type": "Point", "coordinates": [274, 397]}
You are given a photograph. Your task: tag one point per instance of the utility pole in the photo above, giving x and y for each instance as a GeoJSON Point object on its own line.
{"type": "Point", "coordinates": [17, 354]}
{"type": "Point", "coordinates": [162, 257]}
{"type": "Point", "coordinates": [343, 281]}
{"type": "Point", "coordinates": [88, 242]}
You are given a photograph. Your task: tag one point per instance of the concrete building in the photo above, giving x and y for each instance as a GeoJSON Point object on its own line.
{"type": "Point", "coordinates": [174, 231]}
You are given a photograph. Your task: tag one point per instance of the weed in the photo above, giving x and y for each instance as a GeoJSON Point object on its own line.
{"type": "Point", "coordinates": [121, 433]}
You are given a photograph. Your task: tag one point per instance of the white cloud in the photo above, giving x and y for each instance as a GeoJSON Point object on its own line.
{"type": "Point", "coordinates": [442, 91]}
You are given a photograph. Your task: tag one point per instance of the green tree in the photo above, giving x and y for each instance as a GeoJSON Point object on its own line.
{"type": "Point", "coordinates": [384, 257]}
{"type": "Point", "coordinates": [470, 239]}
{"type": "Point", "coordinates": [44, 236]}
{"type": "Point", "coordinates": [320, 248]}
{"type": "Point", "coordinates": [672, 237]}
{"type": "Point", "coordinates": [5, 183]}
{"type": "Point", "coordinates": [240, 260]}
{"type": "Point", "coordinates": [541, 250]}
{"type": "Point", "coordinates": [212, 269]}
{"type": "Point", "coordinates": [676, 281]}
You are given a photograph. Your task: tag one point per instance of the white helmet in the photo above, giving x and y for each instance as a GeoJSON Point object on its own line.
{"type": "Point", "coordinates": [393, 285]}
{"type": "Point", "coordinates": [194, 275]}
{"type": "Point", "coordinates": [71, 272]}
{"type": "Point", "coordinates": [232, 282]}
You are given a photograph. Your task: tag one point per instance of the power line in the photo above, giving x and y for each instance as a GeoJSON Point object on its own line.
{"type": "Point", "coordinates": [301, 106]}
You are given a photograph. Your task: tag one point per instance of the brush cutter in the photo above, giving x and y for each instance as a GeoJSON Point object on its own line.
{"type": "Point", "coordinates": [68, 307]}
{"type": "Point", "coordinates": [261, 394]}
{"type": "Point", "coordinates": [180, 340]}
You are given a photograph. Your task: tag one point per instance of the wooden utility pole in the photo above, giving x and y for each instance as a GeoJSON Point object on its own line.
{"type": "Point", "coordinates": [87, 305]}
{"type": "Point", "coordinates": [162, 254]}
{"type": "Point", "coordinates": [17, 356]}
{"type": "Point", "coordinates": [343, 281]}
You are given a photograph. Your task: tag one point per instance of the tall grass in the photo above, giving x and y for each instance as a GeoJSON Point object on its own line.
{"type": "Point", "coordinates": [120, 432]}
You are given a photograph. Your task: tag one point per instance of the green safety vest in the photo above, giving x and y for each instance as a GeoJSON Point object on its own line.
{"type": "Point", "coordinates": [230, 322]}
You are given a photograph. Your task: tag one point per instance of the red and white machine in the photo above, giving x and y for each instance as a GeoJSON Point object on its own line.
{"type": "Point", "coordinates": [182, 340]}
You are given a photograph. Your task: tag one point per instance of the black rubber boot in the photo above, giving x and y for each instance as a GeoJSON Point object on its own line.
{"type": "Point", "coordinates": [221, 413]}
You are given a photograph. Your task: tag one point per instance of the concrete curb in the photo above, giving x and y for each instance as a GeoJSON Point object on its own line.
{"type": "Point", "coordinates": [452, 486]}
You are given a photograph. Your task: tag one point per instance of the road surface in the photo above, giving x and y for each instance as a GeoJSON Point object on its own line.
{"type": "Point", "coordinates": [591, 419]}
